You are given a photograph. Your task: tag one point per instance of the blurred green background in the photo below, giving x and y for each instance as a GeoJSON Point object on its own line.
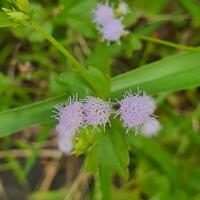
{"type": "Point", "coordinates": [166, 167]}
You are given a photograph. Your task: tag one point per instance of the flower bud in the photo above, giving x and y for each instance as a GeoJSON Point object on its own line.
{"type": "Point", "coordinates": [16, 16]}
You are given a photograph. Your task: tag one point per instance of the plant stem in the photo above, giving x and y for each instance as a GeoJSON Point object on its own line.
{"type": "Point", "coordinates": [67, 54]}
{"type": "Point", "coordinates": [170, 44]}
{"type": "Point", "coordinates": [82, 177]}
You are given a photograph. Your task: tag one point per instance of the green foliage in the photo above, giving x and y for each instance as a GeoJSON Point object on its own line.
{"type": "Point", "coordinates": [22, 5]}
{"type": "Point", "coordinates": [113, 144]}
{"type": "Point", "coordinates": [48, 195]}
{"type": "Point", "coordinates": [102, 82]}
{"type": "Point", "coordinates": [147, 147]}
{"type": "Point", "coordinates": [16, 16]}
{"type": "Point", "coordinates": [167, 75]}
{"type": "Point", "coordinates": [38, 13]}
{"type": "Point", "coordinates": [22, 118]}
{"type": "Point", "coordinates": [105, 180]}
{"type": "Point", "coordinates": [104, 61]}
{"type": "Point", "coordinates": [85, 141]}
{"type": "Point", "coordinates": [193, 8]}
{"type": "Point", "coordinates": [5, 21]}
{"type": "Point", "coordinates": [170, 74]}
{"type": "Point", "coordinates": [37, 37]}
{"type": "Point", "coordinates": [156, 6]}
{"type": "Point", "coordinates": [73, 16]}
{"type": "Point", "coordinates": [91, 163]}
{"type": "Point", "coordinates": [69, 83]}
{"type": "Point", "coordinates": [73, 60]}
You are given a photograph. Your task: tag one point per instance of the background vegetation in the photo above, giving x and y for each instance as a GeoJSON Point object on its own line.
{"type": "Point", "coordinates": [35, 76]}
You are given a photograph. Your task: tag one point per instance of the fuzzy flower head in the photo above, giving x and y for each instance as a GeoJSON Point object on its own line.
{"type": "Point", "coordinates": [65, 142]}
{"type": "Point", "coordinates": [151, 128]}
{"type": "Point", "coordinates": [135, 110]}
{"type": "Point", "coordinates": [148, 103]}
{"type": "Point", "coordinates": [123, 9]}
{"type": "Point", "coordinates": [70, 116]}
{"type": "Point", "coordinates": [113, 30]}
{"type": "Point", "coordinates": [96, 111]}
{"type": "Point", "coordinates": [102, 14]}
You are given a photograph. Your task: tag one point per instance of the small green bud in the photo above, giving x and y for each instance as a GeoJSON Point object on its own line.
{"type": "Point", "coordinates": [84, 141]}
{"type": "Point", "coordinates": [16, 16]}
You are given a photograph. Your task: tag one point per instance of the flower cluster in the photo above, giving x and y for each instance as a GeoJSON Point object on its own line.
{"type": "Point", "coordinates": [107, 23]}
{"type": "Point", "coordinates": [135, 111]}
{"type": "Point", "coordinates": [79, 114]}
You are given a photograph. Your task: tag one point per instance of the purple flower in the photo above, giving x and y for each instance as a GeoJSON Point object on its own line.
{"type": "Point", "coordinates": [75, 114]}
{"type": "Point", "coordinates": [151, 128]}
{"type": "Point", "coordinates": [123, 8]}
{"type": "Point", "coordinates": [135, 110]}
{"type": "Point", "coordinates": [97, 111]}
{"type": "Point", "coordinates": [148, 103]}
{"type": "Point", "coordinates": [65, 142]}
{"type": "Point", "coordinates": [102, 14]}
{"type": "Point", "coordinates": [113, 30]}
{"type": "Point", "coordinates": [70, 116]}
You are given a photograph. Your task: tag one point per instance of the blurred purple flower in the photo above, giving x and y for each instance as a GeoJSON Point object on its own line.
{"type": "Point", "coordinates": [65, 142]}
{"type": "Point", "coordinates": [70, 115]}
{"type": "Point", "coordinates": [113, 30]}
{"type": "Point", "coordinates": [97, 111]}
{"type": "Point", "coordinates": [102, 14]}
{"type": "Point", "coordinates": [70, 118]}
{"type": "Point", "coordinates": [123, 8]}
{"type": "Point", "coordinates": [148, 102]}
{"type": "Point", "coordinates": [151, 128]}
{"type": "Point", "coordinates": [135, 110]}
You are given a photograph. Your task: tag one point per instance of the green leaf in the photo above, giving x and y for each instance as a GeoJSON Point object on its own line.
{"type": "Point", "coordinates": [167, 75]}
{"type": "Point", "coordinates": [131, 44]}
{"type": "Point", "coordinates": [122, 194]}
{"type": "Point", "coordinates": [5, 83]}
{"type": "Point", "coordinates": [38, 12]}
{"type": "Point", "coordinates": [105, 180]}
{"type": "Point", "coordinates": [23, 5]}
{"type": "Point", "coordinates": [113, 157]}
{"type": "Point", "coordinates": [19, 118]}
{"type": "Point", "coordinates": [37, 37]}
{"type": "Point", "coordinates": [155, 7]}
{"type": "Point", "coordinates": [101, 81]}
{"type": "Point", "coordinates": [192, 7]}
{"type": "Point", "coordinates": [158, 155]}
{"type": "Point", "coordinates": [149, 28]}
{"type": "Point", "coordinates": [113, 150]}
{"type": "Point", "coordinates": [48, 195]}
{"type": "Point", "coordinates": [73, 16]}
{"type": "Point", "coordinates": [91, 162]}
{"type": "Point", "coordinates": [71, 83]}
{"type": "Point", "coordinates": [102, 62]}
{"type": "Point", "coordinates": [4, 20]}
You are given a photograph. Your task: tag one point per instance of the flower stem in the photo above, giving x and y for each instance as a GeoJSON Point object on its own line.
{"type": "Point", "coordinates": [82, 70]}
{"type": "Point", "coordinates": [170, 44]}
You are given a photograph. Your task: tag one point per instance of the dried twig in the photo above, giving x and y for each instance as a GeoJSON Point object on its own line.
{"type": "Point", "coordinates": [50, 172]}
{"type": "Point", "coordinates": [44, 153]}
{"type": "Point", "coordinates": [82, 177]}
